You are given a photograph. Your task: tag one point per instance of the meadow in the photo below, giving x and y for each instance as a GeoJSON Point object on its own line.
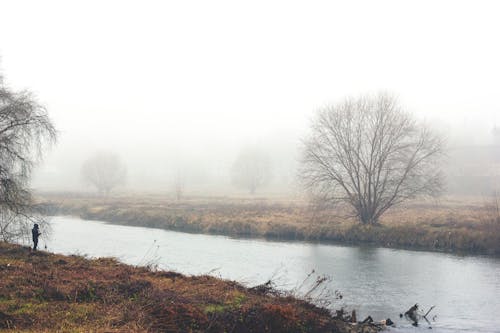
{"type": "Point", "coordinates": [453, 224]}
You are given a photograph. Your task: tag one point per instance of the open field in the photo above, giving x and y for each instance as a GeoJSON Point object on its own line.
{"type": "Point", "coordinates": [43, 292]}
{"type": "Point", "coordinates": [454, 225]}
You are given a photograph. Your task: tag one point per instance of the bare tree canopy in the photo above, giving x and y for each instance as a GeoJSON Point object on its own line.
{"type": "Point", "coordinates": [371, 154]}
{"type": "Point", "coordinates": [251, 169]}
{"type": "Point", "coordinates": [105, 171]}
{"type": "Point", "coordinates": [24, 129]}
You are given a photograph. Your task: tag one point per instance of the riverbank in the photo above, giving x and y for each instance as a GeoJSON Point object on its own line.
{"type": "Point", "coordinates": [44, 292]}
{"type": "Point", "coordinates": [453, 225]}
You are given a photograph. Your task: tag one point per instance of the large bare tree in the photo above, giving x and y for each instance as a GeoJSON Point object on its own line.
{"type": "Point", "coordinates": [371, 154]}
{"type": "Point", "coordinates": [105, 171]}
{"type": "Point", "coordinates": [25, 129]}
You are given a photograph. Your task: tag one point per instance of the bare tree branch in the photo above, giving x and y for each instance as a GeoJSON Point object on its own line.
{"type": "Point", "coordinates": [371, 154]}
{"type": "Point", "coordinates": [25, 129]}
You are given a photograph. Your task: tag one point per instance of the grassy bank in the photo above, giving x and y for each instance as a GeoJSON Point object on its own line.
{"type": "Point", "coordinates": [452, 225]}
{"type": "Point", "coordinates": [43, 292]}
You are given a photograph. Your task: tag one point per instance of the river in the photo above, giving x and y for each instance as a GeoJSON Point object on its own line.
{"type": "Point", "coordinates": [377, 281]}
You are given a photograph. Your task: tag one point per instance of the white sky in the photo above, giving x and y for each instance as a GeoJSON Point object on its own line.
{"type": "Point", "coordinates": [190, 77]}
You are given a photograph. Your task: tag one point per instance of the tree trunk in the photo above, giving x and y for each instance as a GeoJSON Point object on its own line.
{"type": "Point", "coordinates": [366, 216]}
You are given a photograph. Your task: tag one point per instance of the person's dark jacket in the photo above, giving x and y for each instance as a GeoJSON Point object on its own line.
{"type": "Point", "coordinates": [35, 232]}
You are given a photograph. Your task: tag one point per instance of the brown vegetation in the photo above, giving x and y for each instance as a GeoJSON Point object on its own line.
{"type": "Point", "coordinates": [42, 292]}
{"type": "Point", "coordinates": [452, 225]}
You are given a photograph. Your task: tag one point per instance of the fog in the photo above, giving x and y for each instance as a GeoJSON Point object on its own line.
{"type": "Point", "coordinates": [182, 87]}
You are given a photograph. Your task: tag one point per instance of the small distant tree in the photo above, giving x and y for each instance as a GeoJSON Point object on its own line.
{"type": "Point", "coordinates": [370, 154]}
{"type": "Point", "coordinates": [25, 128]}
{"type": "Point", "coordinates": [251, 170]}
{"type": "Point", "coordinates": [105, 171]}
{"type": "Point", "coordinates": [178, 185]}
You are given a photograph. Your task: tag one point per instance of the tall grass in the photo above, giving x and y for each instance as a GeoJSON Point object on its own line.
{"type": "Point", "coordinates": [452, 225]}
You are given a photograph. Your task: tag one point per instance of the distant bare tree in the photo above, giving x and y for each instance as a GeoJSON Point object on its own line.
{"type": "Point", "coordinates": [105, 171]}
{"type": "Point", "coordinates": [372, 155]}
{"type": "Point", "coordinates": [179, 184]}
{"type": "Point", "coordinates": [251, 170]}
{"type": "Point", "coordinates": [25, 129]}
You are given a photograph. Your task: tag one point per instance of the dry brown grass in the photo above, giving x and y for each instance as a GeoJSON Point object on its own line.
{"type": "Point", "coordinates": [453, 224]}
{"type": "Point", "coordinates": [42, 292]}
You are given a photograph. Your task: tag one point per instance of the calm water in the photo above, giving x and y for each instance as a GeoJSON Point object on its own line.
{"type": "Point", "coordinates": [376, 281]}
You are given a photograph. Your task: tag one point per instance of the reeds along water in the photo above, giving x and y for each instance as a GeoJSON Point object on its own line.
{"type": "Point", "coordinates": [454, 225]}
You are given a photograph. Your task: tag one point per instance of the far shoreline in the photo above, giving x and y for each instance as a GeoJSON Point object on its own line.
{"type": "Point", "coordinates": [449, 228]}
{"type": "Point", "coordinates": [299, 241]}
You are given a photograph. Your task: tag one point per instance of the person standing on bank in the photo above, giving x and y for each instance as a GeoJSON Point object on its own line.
{"type": "Point", "coordinates": [35, 232]}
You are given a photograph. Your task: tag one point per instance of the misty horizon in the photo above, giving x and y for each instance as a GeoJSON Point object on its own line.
{"type": "Point", "coordinates": [186, 86]}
